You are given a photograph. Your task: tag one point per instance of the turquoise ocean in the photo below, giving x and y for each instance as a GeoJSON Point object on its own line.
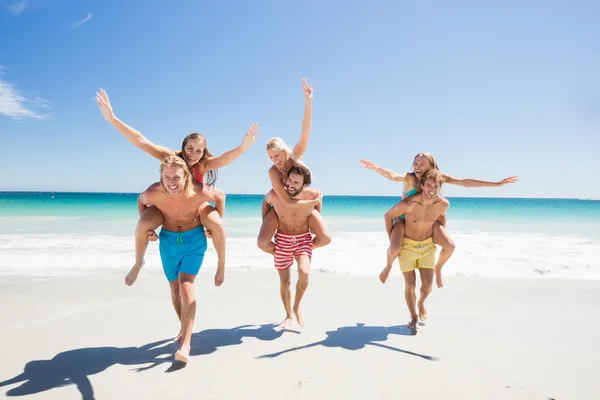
{"type": "Point", "coordinates": [53, 234]}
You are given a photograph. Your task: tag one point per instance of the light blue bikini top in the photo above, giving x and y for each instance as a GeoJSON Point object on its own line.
{"type": "Point", "coordinates": [410, 192]}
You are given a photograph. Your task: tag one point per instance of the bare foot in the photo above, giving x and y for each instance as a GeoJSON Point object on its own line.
{"type": "Point", "coordinates": [152, 236]}
{"type": "Point", "coordinates": [287, 322]}
{"type": "Point", "coordinates": [414, 321]}
{"type": "Point", "coordinates": [133, 274]}
{"type": "Point", "coordinates": [178, 338]}
{"type": "Point", "coordinates": [183, 354]}
{"type": "Point", "coordinates": [438, 279]}
{"type": "Point", "coordinates": [299, 316]}
{"type": "Point", "coordinates": [385, 273]}
{"type": "Point", "coordinates": [422, 312]}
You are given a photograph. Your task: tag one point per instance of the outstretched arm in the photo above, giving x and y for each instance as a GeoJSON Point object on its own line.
{"type": "Point", "coordinates": [399, 209]}
{"type": "Point", "coordinates": [302, 144]}
{"type": "Point", "coordinates": [471, 183]}
{"type": "Point", "coordinates": [283, 195]}
{"type": "Point", "coordinates": [226, 158]}
{"type": "Point", "coordinates": [387, 173]}
{"type": "Point", "coordinates": [131, 134]}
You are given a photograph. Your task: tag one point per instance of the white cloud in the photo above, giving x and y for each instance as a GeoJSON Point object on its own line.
{"type": "Point", "coordinates": [14, 105]}
{"type": "Point", "coordinates": [81, 22]}
{"type": "Point", "coordinates": [18, 7]}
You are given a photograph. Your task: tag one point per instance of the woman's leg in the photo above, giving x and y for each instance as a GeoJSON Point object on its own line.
{"type": "Point", "coordinates": [316, 223]}
{"type": "Point", "coordinates": [267, 230]}
{"type": "Point", "coordinates": [441, 237]}
{"type": "Point", "coordinates": [393, 250]}
{"type": "Point", "coordinates": [211, 220]}
{"type": "Point", "coordinates": [150, 220]}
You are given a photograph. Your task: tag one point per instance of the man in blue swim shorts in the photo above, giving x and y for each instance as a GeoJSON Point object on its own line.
{"type": "Point", "coordinates": [182, 241]}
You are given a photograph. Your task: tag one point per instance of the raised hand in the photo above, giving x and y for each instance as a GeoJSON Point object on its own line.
{"type": "Point", "coordinates": [510, 179]}
{"type": "Point", "coordinates": [104, 104]}
{"type": "Point", "coordinates": [250, 136]}
{"type": "Point", "coordinates": [368, 165]}
{"type": "Point", "coordinates": [307, 89]}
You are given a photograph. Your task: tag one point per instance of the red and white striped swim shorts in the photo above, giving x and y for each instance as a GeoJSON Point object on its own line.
{"type": "Point", "coordinates": [287, 247]}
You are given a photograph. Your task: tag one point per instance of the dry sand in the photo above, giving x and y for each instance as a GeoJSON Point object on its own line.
{"type": "Point", "coordinates": [93, 337]}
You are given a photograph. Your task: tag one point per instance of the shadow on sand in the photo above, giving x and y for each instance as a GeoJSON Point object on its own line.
{"type": "Point", "coordinates": [358, 337]}
{"type": "Point", "coordinates": [73, 367]}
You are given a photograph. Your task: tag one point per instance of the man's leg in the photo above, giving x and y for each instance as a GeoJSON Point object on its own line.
{"type": "Point", "coordinates": [176, 300]}
{"type": "Point", "coordinates": [301, 285]}
{"type": "Point", "coordinates": [150, 220]}
{"type": "Point", "coordinates": [410, 285]}
{"type": "Point", "coordinates": [394, 248]}
{"type": "Point", "coordinates": [188, 314]}
{"type": "Point", "coordinates": [286, 297]}
{"type": "Point", "coordinates": [426, 285]}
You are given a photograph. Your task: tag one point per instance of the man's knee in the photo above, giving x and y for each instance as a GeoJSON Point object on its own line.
{"type": "Point", "coordinates": [426, 286]}
{"type": "Point", "coordinates": [175, 292]}
{"type": "Point", "coordinates": [410, 286]}
{"type": "Point", "coordinates": [303, 274]}
{"type": "Point", "coordinates": [285, 281]}
{"type": "Point", "coordinates": [187, 290]}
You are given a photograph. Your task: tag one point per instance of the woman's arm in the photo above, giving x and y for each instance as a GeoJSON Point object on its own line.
{"type": "Point", "coordinates": [226, 158]}
{"type": "Point", "coordinates": [283, 195]}
{"type": "Point", "coordinates": [134, 136]}
{"type": "Point", "coordinates": [387, 173]}
{"type": "Point", "coordinates": [302, 144]}
{"type": "Point", "coordinates": [471, 183]}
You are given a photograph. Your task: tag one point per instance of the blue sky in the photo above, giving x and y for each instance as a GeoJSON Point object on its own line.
{"type": "Point", "coordinates": [490, 90]}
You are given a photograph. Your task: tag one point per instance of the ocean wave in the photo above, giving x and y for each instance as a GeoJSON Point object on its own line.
{"type": "Point", "coordinates": [482, 254]}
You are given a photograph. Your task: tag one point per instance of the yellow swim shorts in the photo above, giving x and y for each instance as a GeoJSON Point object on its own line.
{"type": "Point", "coordinates": [416, 255]}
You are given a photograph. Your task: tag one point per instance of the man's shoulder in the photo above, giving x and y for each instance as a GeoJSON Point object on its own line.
{"type": "Point", "coordinates": [443, 202]}
{"type": "Point", "coordinates": [154, 188]}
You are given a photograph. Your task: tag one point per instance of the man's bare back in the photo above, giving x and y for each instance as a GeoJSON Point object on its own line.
{"type": "Point", "coordinates": [421, 215]}
{"type": "Point", "coordinates": [293, 221]}
{"type": "Point", "coordinates": [180, 212]}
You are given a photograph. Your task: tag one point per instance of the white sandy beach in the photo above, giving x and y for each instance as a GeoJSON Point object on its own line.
{"type": "Point", "coordinates": [66, 338]}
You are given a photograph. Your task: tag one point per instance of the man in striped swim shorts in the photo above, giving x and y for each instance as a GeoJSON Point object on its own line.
{"type": "Point", "coordinates": [293, 239]}
{"type": "Point", "coordinates": [418, 249]}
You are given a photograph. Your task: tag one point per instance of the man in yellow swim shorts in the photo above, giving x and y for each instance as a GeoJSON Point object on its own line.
{"type": "Point", "coordinates": [418, 249]}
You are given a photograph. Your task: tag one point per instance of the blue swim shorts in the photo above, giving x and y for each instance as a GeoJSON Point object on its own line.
{"type": "Point", "coordinates": [182, 252]}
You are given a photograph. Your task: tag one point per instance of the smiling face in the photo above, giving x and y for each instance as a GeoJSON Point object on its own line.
{"type": "Point", "coordinates": [193, 150]}
{"type": "Point", "coordinates": [431, 183]}
{"type": "Point", "coordinates": [430, 188]}
{"type": "Point", "coordinates": [173, 179]}
{"type": "Point", "coordinates": [295, 184]}
{"type": "Point", "coordinates": [421, 165]}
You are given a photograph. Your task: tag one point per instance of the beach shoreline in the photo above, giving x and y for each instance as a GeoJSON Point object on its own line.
{"type": "Point", "coordinates": [484, 338]}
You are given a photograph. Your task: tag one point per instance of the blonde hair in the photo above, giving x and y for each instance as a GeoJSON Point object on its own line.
{"type": "Point", "coordinates": [277, 144]}
{"type": "Point", "coordinates": [178, 162]}
{"type": "Point", "coordinates": [430, 158]}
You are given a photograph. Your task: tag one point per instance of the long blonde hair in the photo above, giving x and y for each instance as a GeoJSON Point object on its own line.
{"type": "Point", "coordinates": [277, 144]}
{"type": "Point", "coordinates": [430, 158]}
{"type": "Point", "coordinates": [175, 161]}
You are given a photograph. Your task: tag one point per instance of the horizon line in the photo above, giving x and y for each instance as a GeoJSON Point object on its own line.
{"type": "Point", "coordinates": [324, 195]}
